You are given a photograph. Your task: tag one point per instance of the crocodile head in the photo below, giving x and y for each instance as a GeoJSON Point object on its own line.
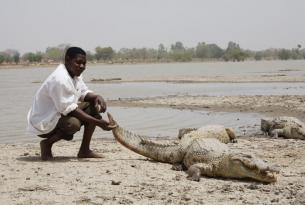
{"type": "Point", "coordinates": [248, 166]}
{"type": "Point", "coordinates": [112, 122]}
{"type": "Point", "coordinates": [231, 134]}
{"type": "Point", "coordinates": [266, 125]}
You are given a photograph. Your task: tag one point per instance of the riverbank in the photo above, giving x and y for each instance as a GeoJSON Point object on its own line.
{"type": "Point", "coordinates": [123, 177]}
{"type": "Point", "coordinates": [263, 78]}
{"type": "Point", "coordinates": [285, 105]}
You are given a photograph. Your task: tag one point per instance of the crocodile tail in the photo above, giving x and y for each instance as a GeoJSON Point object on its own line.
{"type": "Point", "coordinates": [162, 152]}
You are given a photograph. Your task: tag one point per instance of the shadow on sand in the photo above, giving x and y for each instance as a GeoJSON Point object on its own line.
{"type": "Point", "coordinates": [69, 159]}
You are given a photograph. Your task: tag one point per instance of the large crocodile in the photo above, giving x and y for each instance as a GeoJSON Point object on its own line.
{"type": "Point", "coordinates": [287, 127]}
{"type": "Point", "coordinates": [223, 134]}
{"type": "Point", "coordinates": [201, 156]}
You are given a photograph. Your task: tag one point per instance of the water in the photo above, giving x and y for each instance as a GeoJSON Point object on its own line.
{"type": "Point", "coordinates": [152, 122]}
{"type": "Point", "coordinates": [196, 69]}
{"type": "Point", "coordinates": [141, 90]}
{"type": "Point", "coordinates": [17, 90]}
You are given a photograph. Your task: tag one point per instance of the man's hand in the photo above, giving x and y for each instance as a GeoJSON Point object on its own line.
{"type": "Point", "coordinates": [106, 125]}
{"type": "Point", "coordinates": [100, 104]}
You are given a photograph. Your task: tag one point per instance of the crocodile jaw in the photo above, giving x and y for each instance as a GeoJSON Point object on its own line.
{"type": "Point", "coordinates": [251, 167]}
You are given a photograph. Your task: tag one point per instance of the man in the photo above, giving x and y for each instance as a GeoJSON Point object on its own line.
{"type": "Point", "coordinates": [63, 104]}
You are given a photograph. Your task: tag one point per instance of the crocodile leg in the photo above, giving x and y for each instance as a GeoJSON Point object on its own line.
{"type": "Point", "coordinates": [276, 133]}
{"type": "Point", "coordinates": [196, 170]}
{"type": "Point", "coordinates": [178, 167]}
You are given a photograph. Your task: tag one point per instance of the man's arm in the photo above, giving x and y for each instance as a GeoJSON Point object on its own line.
{"type": "Point", "coordinates": [84, 117]}
{"type": "Point", "coordinates": [97, 100]}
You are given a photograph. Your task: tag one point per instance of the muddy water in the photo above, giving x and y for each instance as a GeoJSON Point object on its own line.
{"type": "Point", "coordinates": [17, 90]}
{"type": "Point", "coordinates": [141, 90]}
{"type": "Point", "coordinates": [152, 122]}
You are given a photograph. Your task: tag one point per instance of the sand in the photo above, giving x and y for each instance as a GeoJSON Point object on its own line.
{"type": "Point", "coordinates": [123, 177]}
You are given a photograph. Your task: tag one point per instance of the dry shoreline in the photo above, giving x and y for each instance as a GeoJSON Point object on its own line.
{"type": "Point", "coordinates": [263, 78]}
{"type": "Point", "coordinates": [123, 177]}
{"type": "Point", "coordinates": [291, 105]}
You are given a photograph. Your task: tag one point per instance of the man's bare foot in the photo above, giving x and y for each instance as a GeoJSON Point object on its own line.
{"type": "Point", "coordinates": [89, 154]}
{"type": "Point", "coordinates": [46, 152]}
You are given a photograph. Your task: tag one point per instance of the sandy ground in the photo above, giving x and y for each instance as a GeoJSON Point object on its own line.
{"type": "Point", "coordinates": [123, 177]}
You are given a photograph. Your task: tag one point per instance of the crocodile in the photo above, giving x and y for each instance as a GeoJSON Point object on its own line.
{"type": "Point", "coordinates": [199, 156]}
{"type": "Point", "coordinates": [286, 127]}
{"type": "Point", "coordinates": [224, 135]}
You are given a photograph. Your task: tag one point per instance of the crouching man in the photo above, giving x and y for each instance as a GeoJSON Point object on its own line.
{"type": "Point", "coordinates": [63, 104]}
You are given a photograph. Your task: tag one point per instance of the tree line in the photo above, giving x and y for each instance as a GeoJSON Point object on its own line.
{"type": "Point", "coordinates": [176, 53]}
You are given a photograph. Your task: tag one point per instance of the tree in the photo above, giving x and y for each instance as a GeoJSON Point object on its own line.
{"type": "Point", "coordinates": [258, 55]}
{"type": "Point", "coordinates": [32, 57]}
{"type": "Point", "coordinates": [177, 46]}
{"type": "Point", "coordinates": [179, 53]}
{"type": "Point", "coordinates": [204, 50]}
{"type": "Point", "coordinates": [284, 54]}
{"type": "Point", "coordinates": [104, 53]}
{"type": "Point", "coordinates": [55, 53]}
{"type": "Point", "coordinates": [201, 50]}
{"type": "Point", "coordinates": [234, 53]}
{"type": "Point", "coordinates": [214, 51]}
{"type": "Point", "coordinates": [1, 59]}
{"type": "Point", "coordinates": [161, 52]}
{"type": "Point", "coordinates": [16, 57]}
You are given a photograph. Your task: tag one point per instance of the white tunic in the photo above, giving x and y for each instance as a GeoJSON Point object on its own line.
{"type": "Point", "coordinates": [58, 95]}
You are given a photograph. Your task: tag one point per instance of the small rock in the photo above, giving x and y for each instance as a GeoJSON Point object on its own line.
{"type": "Point", "coordinates": [115, 182]}
{"type": "Point", "coordinates": [186, 198]}
{"type": "Point", "coordinates": [133, 165]}
{"type": "Point", "coordinates": [28, 178]}
{"type": "Point", "coordinates": [26, 154]}
{"type": "Point", "coordinates": [252, 186]}
{"type": "Point", "coordinates": [177, 178]}
{"type": "Point", "coordinates": [274, 200]}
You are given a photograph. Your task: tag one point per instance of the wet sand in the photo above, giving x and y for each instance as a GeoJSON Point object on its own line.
{"type": "Point", "coordinates": [123, 177]}
{"type": "Point", "coordinates": [285, 105]}
{"type": "Point", "coordinates": [268, 77]}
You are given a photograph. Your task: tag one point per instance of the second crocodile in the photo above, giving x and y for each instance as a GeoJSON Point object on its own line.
{"type": "Point", "coordinates": [287, 127]}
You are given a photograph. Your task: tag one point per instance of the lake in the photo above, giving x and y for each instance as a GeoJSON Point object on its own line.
{"type": "Point", "coordinates": [17, 90]}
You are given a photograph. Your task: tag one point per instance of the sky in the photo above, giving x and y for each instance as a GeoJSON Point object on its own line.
{"type": "Point", "coordinates": [34, 25]}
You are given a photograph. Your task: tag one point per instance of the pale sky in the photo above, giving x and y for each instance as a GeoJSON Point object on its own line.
{"type": "Point", "coordinates": [33, 25]}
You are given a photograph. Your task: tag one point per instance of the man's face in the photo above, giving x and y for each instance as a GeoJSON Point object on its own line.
{"type": "Point", "coordinates": [77, 65]}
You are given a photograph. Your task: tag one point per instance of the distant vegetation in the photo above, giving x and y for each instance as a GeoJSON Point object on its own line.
{"type": "Point", "coordinates": [176, 53]}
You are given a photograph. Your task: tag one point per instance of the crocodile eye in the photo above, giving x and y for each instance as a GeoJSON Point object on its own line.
{"type": "Point", "coordinates": [237, 161]}
{"type": "Point", "coordinates": [248, 156]}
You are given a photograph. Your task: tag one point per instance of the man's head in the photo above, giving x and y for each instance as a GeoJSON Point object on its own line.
{"type": "Point", "coordinates": [75, 61]}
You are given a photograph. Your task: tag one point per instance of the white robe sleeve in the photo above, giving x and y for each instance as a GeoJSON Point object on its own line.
{"type": "Point", "coordinates": [63, 97]}
{"type": "Point", "coordinates": [84, 89]}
